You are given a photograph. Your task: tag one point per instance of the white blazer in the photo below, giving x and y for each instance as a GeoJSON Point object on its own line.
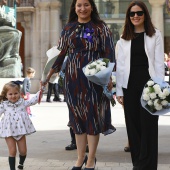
{"type": "Point", "coordinates": [154, 51]}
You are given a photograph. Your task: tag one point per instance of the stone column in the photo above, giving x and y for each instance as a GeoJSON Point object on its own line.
{"type": "Point", "coordinates": [55, 23]}
{"type": "Point", "coordinates": [41, 42]}
{"type": "Point", "coordinates": [27, 18]}
{"type": "Point", "coordinates": [157, 14]}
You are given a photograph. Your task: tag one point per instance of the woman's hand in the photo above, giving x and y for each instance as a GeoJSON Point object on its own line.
{"type": "Point", "coordinates": [110, 85]}
{"type": "Point", "coordinates": [120, 99]}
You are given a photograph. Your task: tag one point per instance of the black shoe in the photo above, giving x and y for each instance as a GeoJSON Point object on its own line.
{"type": "Point", "coordinates": [57, 100]}
{"type": "Point", "coordinates": [135, 168]}
{"type": "Point", "coordinates": [20, 166]}
{"type": "Point", "coordinates": [91, 168]}
{"type": "Point", "coordinates": [48, 100]}
{"type": "Point", "coordinates": [79, 168]}
{"type": "Point", "coordinates": [70, 147]}
{"type": "Point", "coordinates": [127, 149]}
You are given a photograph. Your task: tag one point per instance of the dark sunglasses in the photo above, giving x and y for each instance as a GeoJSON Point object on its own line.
{"type": "Point", "coordinates": [139, 13]}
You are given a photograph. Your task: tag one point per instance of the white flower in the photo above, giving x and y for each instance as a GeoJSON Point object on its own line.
{"type": "Point", "coordinates": [150, 103]}
{"type": "Point", "coordinates": [98, 61]}
{"type": "Point", "coordinates": [87, 71]}
{"type": "Point", "coordinates": [161, 95]}
{"type": "Point", "coordinates": [158, 107]}
{"type": "Point", "coordinates": [156, 102]}
{"type": "Point", "coordinates": [102, 67]}
{"type": "Point", "coordinates": [152, 95]}
{"type": "Point", "coordinates": [102, 63]}
{"type": "Point", "coordinates": [150, 83]}
{"type": "Point", "coordinates": [146, 90]}
{"type": "Point", "coordinates": [98, 67]}
{"type": "Point", "coordinates": [157, 88]}
{"type": "Point", "coordinates": [166, 92]}
{"type": "Point", "coordinates": [93, 71]}
{"type": "Point", "coordinates": [164, 103]}
{"type": "Point", "coordinates": [146, 97]}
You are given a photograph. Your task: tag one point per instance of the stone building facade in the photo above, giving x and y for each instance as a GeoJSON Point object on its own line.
{"type": "Point", "coordinates": [41, 22]}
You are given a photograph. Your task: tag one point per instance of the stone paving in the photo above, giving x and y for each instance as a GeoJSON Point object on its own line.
{"type": "Point", "coordinates": [46, 147]}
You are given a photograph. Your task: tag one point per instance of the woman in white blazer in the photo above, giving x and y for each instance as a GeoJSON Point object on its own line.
{"type": "Point", "coordinates": [140, 56]}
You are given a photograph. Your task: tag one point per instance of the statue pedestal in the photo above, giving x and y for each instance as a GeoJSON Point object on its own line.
{"type": "Point", "coordinates": [6, 80]}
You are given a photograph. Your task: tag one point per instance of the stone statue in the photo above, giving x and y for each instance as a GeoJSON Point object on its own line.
{"type": "Point", "coordinates": [10, 61]}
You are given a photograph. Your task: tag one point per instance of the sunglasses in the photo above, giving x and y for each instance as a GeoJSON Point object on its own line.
{"type": "Point", "coordinates": [139, 13]}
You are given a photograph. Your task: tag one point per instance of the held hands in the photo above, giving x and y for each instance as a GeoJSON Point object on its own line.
{"type": "Point", "coordinates": [120, 99]}
{"type": "Point", "coordinates": [43, 84]}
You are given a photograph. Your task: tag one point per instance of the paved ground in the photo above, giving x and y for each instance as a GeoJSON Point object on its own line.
{"type": "Point", "coordinates": [46, 147]}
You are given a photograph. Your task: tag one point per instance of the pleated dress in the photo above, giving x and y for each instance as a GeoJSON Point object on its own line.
{"type": "Point", "coordinates": [89, 108]}
{"type": "Point", "coordinates": [15, 121]}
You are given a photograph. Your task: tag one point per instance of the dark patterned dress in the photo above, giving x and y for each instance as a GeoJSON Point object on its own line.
{"type": "Point", "coordinates": [89, 108]}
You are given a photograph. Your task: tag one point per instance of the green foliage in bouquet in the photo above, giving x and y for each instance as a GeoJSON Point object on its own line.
{"type": "Point", "coordinates": [106, 60]}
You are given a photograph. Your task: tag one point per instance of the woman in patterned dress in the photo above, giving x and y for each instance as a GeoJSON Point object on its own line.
{"type": "Point", "coordinates": [85, 38]}
{"type": "Point", "coordinates": [15, 123]}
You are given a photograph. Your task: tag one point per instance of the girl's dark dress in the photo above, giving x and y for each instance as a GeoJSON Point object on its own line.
{"type": "Point", "coordinates": [89, 109]}
{"type": "Point", "coordinates": [142, 127]}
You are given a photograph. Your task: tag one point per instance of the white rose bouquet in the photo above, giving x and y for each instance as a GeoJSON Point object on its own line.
{"type": "Point", "coordinates": [156, 97]}
{"type": "Point", "coordinates": [99, 72]}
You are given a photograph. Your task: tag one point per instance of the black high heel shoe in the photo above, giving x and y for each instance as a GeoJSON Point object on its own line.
{"type": "Point", "coordinates": [79, 168]}
{"type": "Point", "coordinates": [91, 168]}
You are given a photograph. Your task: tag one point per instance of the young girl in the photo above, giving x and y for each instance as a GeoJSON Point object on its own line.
{"type": "Point", "coordinates": [15, 123]}
{"type": "Point", "coordinates": [27, 86]}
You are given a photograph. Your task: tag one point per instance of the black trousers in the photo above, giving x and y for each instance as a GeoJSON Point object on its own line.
{"type": "Point", "coordinates": [54, 88]}
{"type": "Point", "coordinates": [142, 130]}
{"type": "Point", "coordinates": [73, 139]}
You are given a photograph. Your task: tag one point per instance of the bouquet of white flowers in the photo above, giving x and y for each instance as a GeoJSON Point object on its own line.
{"type": "Point", "coordinates": [156, 97]}
{"type": "Point", "coordinates": [99, 72]}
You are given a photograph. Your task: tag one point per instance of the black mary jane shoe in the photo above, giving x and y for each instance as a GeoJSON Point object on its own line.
{"type": "Point", "coordinates": [20, 166]}
{"type": "Point", "coordinates": [127, 148]}
{"type": "Point", "coordinates": [91, 168]}
{"type": "Point", "coordinates": [79, 168]}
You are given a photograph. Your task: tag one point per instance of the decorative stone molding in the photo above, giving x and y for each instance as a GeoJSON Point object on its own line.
{"type": "Point", "coordinates": [157, 2]}
{"type": "Point", "coordinates": [55, 5]}
{"type": "Point", "coordinates": [24, 15]}
{"type": "Point", "coordinates": [43, 6]}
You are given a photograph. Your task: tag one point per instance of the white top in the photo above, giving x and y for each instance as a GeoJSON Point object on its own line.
{"type": "Point", "coordinates": [154, 51]}
{"type": "Point", "coordinates": [15, 121]}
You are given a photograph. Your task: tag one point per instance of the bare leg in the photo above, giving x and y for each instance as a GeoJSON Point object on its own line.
{"type": "Point", "coordinates": [11, 143]}
{"type": "Point", "coordinates": [22, 146]}
{"type": "Point", "coordinates": [93, 141]}
{"type": "Point", "coordinates": [81, 141]}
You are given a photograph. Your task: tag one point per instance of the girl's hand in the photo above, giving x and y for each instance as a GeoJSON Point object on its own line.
{"type": "Point", "coordinates": [120, 99]}
{"type": "Point", "coordinates": [110, 85]}
{"type": "Point", "coordinates": [25, 97]}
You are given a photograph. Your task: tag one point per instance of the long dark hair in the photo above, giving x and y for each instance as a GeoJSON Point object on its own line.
{"type": "Point", "coordinates": [128, 32]}
{"type": "Point", "coordinates": [94, 14]}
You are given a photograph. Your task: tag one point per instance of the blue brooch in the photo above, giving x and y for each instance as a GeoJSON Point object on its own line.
{"type": "Point", "coordinates": [88, 34]}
